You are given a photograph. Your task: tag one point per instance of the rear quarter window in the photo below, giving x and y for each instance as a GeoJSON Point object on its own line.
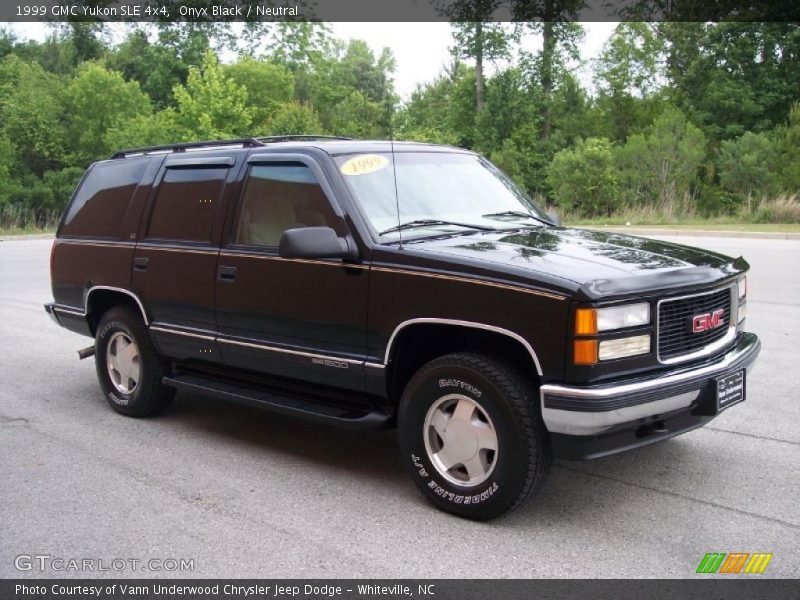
{"type": "Point", "coordinates": [101, 201]}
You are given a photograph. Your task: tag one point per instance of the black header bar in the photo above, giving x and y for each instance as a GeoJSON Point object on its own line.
{"type": "Point", "coordinates": [270, 11]}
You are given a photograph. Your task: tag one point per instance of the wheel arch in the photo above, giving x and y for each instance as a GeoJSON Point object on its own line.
{"type": "Point", "coordinates": [100, 298]}
{"type": "Point", "coordinates": [407, 350]}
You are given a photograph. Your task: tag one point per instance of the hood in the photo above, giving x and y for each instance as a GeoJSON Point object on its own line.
{"type": "Point", "coordinates": [600, 263]}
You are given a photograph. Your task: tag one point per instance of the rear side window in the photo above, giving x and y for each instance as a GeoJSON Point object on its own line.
{"type": "Point", "coordinates": [186, 204]}
{"type": "Point", "coordinates": [278, 197]}
{"type": "Point", "coordinates": [100, 203]}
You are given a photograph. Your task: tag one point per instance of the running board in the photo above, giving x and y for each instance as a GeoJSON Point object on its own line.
{"type": "Point", "coordinates": [352, 417]}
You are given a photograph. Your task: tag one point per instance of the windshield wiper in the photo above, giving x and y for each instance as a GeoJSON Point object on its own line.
{"type": "Point", "coordinates": [426, 222]}
{"type": "Point", "coordinates": [514, 213]}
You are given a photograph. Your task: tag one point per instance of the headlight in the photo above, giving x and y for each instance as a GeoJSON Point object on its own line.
{"type": "Point", "coordinates": [622, 347]}
{"type": "Point", "coordinates": [742, 313]}
{"type": "Point", "coordinates": [589, 321]}
{"type": "Point", "coordinates": [742, 287]}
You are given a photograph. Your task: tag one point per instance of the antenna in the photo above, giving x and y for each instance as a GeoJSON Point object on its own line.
{"type": "Point", "coordinates": [394, 176]}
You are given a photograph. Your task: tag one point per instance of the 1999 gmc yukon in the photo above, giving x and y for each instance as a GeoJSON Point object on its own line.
{"type": "Point", "coordinates": [371, 284]}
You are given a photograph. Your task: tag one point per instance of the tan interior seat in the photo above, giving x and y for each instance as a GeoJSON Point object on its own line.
{"type": "Point", "coordinates": [271, 207]}
{"type": "Point", "coordinates": [264, 222]}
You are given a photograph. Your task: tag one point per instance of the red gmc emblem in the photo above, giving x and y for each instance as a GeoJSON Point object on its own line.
{"type": "Point", "coordinates": [712, 320]}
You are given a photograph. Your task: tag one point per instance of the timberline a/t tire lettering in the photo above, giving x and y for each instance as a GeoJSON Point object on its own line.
{"type": "Point", "coordinates": [461, 385]}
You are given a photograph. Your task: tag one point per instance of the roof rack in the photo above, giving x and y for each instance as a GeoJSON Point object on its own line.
{"type": "Point", "coordinates": [251, 142]}
{"type": "Point", "coordinates": [183, 147]}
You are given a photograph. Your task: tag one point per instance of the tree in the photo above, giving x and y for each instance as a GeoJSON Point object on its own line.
{"type": "Point", "coordinates": [508, 106]}
{"type": "Point", "coordinates": [32, 114]}
{"type": "Point", "coordinates": [162, 64]}
{"type": "Point", "coordinates": [212, 105]}
{"type": "Point", "coordinates": [745, 165]}
{"type": "Point", "coordinates": [787, 146]}
{"type": "Point", "coordinates": [8, 41]}
{"type": "Point", "coordinates": [572, 113]}
{"type": "Point", "coordinates": [87, 40]}
{"type": "Point", "coordinates": [98, 100]}
{"type": "Point", "coordinates": [331, 80]}
{"type": "Point", "coordinates": [358, 69]}
{"type": "Point", "coordinates": [662, 165]}
{"type": "Point", "coordinates": [556, 21]}
{"type": "Point", "coordinates": [147, 130]}
{"type": "Point", "coordinates": [291, 118]}
{"type": "Point", "coordinates": [733, 77]}
{"type": "Point", "coordinates": [626, 75]}
{"type": "Point", "coordinates": [296, 44]}
{"type": "Point", "coordinates": [268, 85]}
{"type": "Point", "coordinates": [7, 159]}
{"type": "Point", "coordinates": [356, 116]}
{"type": "Point", "coordinates": [442, 110]}
{"type": "Point", "coordinates": [479, 40]}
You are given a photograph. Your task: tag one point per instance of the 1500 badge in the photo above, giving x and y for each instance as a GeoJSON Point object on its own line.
{"type": "Point", "coordinates": [326, 362]}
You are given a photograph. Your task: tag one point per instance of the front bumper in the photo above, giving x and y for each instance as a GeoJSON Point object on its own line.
{"type": "Point", "coordinates": [594, 421]}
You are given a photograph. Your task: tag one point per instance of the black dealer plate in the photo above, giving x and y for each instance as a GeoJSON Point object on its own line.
{"type": "Point", "coordinates": [730, 390]}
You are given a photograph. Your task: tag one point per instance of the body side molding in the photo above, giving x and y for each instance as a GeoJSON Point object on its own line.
{"type": "Point", "coordinates": [467, 324]}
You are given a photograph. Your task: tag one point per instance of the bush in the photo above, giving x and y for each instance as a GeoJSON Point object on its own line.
{"type": "Point", "coordinates": [712, 200]}
{"type": "Point", "coordinates": [584, 178]}
{"type": "Point", "coordinates": [661, 166]}
{"type": "Point", "coordinates": [782, 209]}
{"type": "Point", "coordinates": [39, 202]}
{"type": "Point", "coordinates": [745, 165]}
{"type": "Point", "coordinates": [787, 146]}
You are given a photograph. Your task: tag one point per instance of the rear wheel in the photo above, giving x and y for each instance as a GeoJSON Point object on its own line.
{"type": "Point", "coordinates": [128, 365]}
{"type": "Point", "coordinates": [472, 435]}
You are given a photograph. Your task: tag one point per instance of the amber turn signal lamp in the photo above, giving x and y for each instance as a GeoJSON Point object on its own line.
{"type": "Point", "coordinates": [585, 352]}
{"type": "Point", "coordinates": [586, 321]}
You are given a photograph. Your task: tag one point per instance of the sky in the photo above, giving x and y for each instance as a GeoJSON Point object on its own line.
{"type": "Point", "coordinates": [421, 50]}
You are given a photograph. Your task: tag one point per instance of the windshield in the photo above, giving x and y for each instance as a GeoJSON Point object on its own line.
{"type": "Point", "coordinates": [437, 193]}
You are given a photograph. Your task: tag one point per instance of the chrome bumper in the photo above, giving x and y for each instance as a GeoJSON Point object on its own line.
{"type": "Point", "coordinates": [592, 410]}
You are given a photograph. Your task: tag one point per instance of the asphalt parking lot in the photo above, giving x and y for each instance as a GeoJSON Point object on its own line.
{"type": "Point", "coordinates": [245, 493]}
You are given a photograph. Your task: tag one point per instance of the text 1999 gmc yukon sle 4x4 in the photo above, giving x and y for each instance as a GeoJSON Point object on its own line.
{"type": "Point", "coordinates": [371, 284]}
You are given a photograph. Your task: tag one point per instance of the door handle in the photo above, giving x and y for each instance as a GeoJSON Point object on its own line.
{"type": "Point", "coordinates": [140, 263]}
{"type": "Point", "coordinates": [226, 273]}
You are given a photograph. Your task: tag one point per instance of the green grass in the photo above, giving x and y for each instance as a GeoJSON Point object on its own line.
{"type": "Point", "coordinates": [12, 231]}
{"type": "Point", "coordinates": [695, 225]}
{"type": "Point", "coordinates": [778, 214]}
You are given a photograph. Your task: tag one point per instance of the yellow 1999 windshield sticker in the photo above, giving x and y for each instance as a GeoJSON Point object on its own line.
{"type": "Point", "coordinates": [363, 164]}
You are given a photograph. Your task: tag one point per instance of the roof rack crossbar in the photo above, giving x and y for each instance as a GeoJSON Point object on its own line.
{"type": "Point", "coordinates": [182, 147]}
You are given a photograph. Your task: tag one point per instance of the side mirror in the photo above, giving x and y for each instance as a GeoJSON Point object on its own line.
{"type": "Point", "coordinates": [553, 216]}
{"type": "Point", "coordinates": [315, 242]}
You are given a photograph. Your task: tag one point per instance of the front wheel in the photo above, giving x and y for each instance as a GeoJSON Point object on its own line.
{"type": "Point", "coordinates": [472, 435]}
{"type": "Point", "coordinates": [128, 365]}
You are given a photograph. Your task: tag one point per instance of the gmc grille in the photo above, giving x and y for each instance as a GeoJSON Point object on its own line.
{"type": "Point", "coordinates": [676, 337]}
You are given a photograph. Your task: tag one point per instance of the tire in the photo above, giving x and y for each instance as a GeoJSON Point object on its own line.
{"type": "Point", "coordinates": [133, 387]}
{"type": "Point", "coordinates": [449, 409]}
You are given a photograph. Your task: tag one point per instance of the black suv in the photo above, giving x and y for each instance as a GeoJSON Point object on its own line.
{"type": "Point", "coordinates": [372, 284]}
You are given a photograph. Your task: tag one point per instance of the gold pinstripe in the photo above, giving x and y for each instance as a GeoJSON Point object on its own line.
{"type": "Point", "coordinates": [504, 286]}
{"type": "Point", "coordinates": [457, 278]}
